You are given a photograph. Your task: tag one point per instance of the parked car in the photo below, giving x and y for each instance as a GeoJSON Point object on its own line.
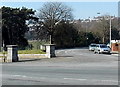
{"type": "Point", "coordinates": [92, 47]}
{"type": "Point", "coordinates": [108, 44]}
{"type": "Point", "coordinates": [102, 48]}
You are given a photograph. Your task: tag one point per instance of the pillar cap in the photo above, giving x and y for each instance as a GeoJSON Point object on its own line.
{"type": "Point", "coordinates": [12, 45]}
{"type": "Point", "coordinates": [49, 44]}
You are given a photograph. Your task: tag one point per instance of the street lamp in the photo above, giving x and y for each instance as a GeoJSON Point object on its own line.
{"type": "Point", "coordinates": [103, 38]}
{"type": "Point", "coordinates": [86, 30]}
{"type": "Point", "coordinates": [109, 28]}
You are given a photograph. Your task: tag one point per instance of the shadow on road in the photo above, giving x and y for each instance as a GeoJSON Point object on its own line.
{"type": "Point", "coordinates": [28, 60]}
{"type": "Point", "coordinates": [72, 48]}
{"type": "Point", "coordinates": [64, 56]}
{"type": "Point", "coordinates": [104, 53]}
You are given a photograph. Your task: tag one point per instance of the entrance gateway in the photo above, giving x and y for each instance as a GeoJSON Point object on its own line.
{"type": "Point", "coordinates": [12, 54]}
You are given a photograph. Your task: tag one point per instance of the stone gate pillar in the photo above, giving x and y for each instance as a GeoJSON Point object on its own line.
{"type": "Point", "coordinates": [50, 50]}
{"type": "Point", "coordinates": [12, 53]}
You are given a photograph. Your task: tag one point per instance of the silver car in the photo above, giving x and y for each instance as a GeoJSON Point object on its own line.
{"type": "Point", "coordinates": [101, 48]}
{"type": "Point", "coordinates": [92, 47]}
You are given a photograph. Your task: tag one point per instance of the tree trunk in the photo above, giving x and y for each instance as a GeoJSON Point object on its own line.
{"type": "Point", "coordinates": [50, 39]}
{"type": "Point", "coordinates": [103, 40]}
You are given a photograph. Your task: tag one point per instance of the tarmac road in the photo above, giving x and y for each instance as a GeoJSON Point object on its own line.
{"type": "Point", "coordinates": [69, 67]}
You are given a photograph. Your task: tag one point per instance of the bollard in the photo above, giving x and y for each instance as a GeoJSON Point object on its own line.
{"type": "Point", "coordinates": [12, 53]}
{"type": "Point", "coordinates": [50, 50]}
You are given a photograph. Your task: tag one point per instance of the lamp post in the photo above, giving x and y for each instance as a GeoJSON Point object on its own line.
{"type": "Point", "coordinates": [103, 38]}
{"type": "Point", "coordinates": [109, 29]}
{"type": "Point", "coordinates": [86, 30]}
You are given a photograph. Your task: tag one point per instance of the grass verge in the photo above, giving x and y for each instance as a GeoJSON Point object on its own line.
{"type": "Point", "coordinates": [28, 52]}
{"type": "Point", "coordinates": [31, 52]}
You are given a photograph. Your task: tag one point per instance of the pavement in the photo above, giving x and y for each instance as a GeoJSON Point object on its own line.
{"type": "Point", "coordinates": [70, 67]}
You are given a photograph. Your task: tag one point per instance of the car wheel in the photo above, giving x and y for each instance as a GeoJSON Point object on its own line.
{"type": "Point", "coordinates": [109, 52]}
{"type": "Point", "coordinates": [98, 52]}
{"type": "Point", "coordinates": [94, 52]}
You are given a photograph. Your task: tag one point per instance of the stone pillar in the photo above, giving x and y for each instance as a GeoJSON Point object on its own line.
{"type": "Point", "coordinates": [50, 50]}
{"type": "Point", "coordinates": [12, 53]}
{"type": "Point", "coordinates": [42, 47]}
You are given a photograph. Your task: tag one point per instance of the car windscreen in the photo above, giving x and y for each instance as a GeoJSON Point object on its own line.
{"type": "Point", "coordinates": [93, 45]}
{"type": "Point", "coordinates": [103, 46]}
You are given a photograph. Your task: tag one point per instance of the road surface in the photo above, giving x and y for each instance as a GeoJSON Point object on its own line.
{"type": "Point", "coordinates": [69, 67]}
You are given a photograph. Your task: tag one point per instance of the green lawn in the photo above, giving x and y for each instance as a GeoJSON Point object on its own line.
{"type": "Point", "coordinates": [31, 52]}
{"type": "Point", "coordinates": [28, 52]}
{"type": "Point", "coordinates": [3, 52]}
{"type": "Point", "coordinates": [36, 44]}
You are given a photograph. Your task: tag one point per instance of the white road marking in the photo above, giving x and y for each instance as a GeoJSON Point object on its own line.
{"type": "Point", "coordinates": [74, 79]}
{"type": "Point", "coordinates": [65, 52]}
{"type": "Point", "coordinates": [24, 76]}
{"type": "Point", "coordinates": [16, 75]}
{"type": "Point", "coordinates": [60, 51]}
{"type": "Point", "coordinates": [107, 55]}
{"type": "Point", "coordinates": [91, 80]}
{"type": "Point", "coordinates": [109, 80]}
{"type": "Point", "coordinates": [19, 76]}
{"type": "Point", "coordinates": [79, 54]}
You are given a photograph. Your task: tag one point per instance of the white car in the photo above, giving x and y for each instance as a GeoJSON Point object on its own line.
{"type": "Point", "coordinates": [102, 48]}
{"type": "Point", "coordinates": [92, 47]}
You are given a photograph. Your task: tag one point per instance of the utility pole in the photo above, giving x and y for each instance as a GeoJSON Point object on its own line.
{"type": "Point", "coordinates": [110, 30]}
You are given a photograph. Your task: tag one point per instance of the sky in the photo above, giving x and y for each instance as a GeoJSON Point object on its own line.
{"type": "Point", "coordinates": [81, 10]}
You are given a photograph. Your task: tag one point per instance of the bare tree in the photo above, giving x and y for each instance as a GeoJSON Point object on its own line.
{"type": "Point", "coordinates": [102, 28]}
{"type": "Point", "coordinates": [51, 14]}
